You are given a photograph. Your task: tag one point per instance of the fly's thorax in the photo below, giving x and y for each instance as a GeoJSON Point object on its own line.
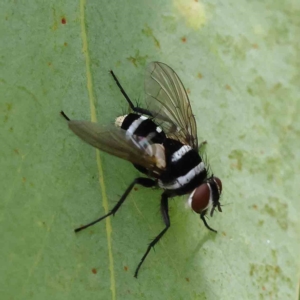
{"type": "Point", "coordinates": [185, 169]}
{"type": "Point", "coordinates": [172, 146]}
{"type": "Point", "coordinates": [184, 180]}
{"type": "Point", "coordinates": [177, 155]}
{"type": "Point", "coordinates": [206, 196]}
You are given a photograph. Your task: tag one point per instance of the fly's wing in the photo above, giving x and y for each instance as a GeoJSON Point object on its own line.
{"type": "Point", "coordinates": [114, 141]}
{"type": "Point", "coordinates": [167, 100]}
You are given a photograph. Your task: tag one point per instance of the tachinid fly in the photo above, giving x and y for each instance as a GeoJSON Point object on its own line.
{"type": "Point", "coordinates": [161, 141]}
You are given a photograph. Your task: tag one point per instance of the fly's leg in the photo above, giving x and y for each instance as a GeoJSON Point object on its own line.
{"type": "Point", "coordinates": [134, 108]}
{"type": "Point", "coordinates": [164, 207]}
{"type": "Point", "coordinates": [65, 116]}
{"type": "Point", "coordinates": [202, 216]}
{"type": "Point", "coordinates": [146, 182]}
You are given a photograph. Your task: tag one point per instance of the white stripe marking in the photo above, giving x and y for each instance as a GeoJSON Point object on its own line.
{"type": "Point", "coordinates": [134, 125]}
{"type": "Point", "coordinates": [210, 202]}
{"type": "Point", "coordinates": [191, 198]}
{"type": "Point", "coordinates": [183, 180]}
{"type": "Point", "coordinates": [179, 153]}
{"type": "Point", "coordinates": [158, 129]}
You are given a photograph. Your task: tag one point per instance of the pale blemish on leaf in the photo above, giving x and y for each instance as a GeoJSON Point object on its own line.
{"type": "Point", "coordinates": [192, 11]}
{"type": "Point", "coordinates": [237, 156]}
{"type": "Point", "coordinates": [277, 210]}
{"type": "Point", "coordinates": [55, 24]}
{"type": "Point", "coordinates": [258, 29]}
{"type": "Point", "coordinates": [267, 278]}
{"type": "Point", "coordinates": [138, 59]}
{"type": "Point", "coordinates": [149, 32]}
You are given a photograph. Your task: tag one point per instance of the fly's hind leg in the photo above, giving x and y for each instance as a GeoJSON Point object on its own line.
{"type": "Point", "coordinates": [134, 108]}
{"type": "Point", "coordinates": [146, 182]}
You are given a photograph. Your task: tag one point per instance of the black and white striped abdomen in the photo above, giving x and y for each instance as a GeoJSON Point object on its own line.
{"type": "Point", "coordinates": [185, 168]}
{"type": "Point", "coordinates": [142, 126]}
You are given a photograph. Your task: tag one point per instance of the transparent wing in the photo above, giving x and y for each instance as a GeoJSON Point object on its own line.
{"type": "Point", "coordinates": [167, 99]}
{"type": "Point", "coordinates": [114, 141]}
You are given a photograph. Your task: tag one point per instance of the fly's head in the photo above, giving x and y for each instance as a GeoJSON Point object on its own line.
{"type": "Point", "coordinates": [206, 196]}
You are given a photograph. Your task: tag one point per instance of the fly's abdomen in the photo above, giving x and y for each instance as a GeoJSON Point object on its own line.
{"type": "Point", "coordinates": [141, 126]}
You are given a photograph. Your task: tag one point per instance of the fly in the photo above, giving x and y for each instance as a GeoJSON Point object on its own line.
{"type": "Point", "coordinates": [161, 142]}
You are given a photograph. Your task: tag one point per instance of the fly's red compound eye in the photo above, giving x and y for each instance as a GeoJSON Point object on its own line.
{"type": "Point", "coordinates": [200, 198]}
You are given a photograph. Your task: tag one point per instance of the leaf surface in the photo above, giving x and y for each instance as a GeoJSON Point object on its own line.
{"type": "Point", "coordinates": [240, 65]}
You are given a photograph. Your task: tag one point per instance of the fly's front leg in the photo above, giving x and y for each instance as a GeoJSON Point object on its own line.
{"type": "Point", "coordinates": [164, 207]}
{"type": "Point", "coordinates": [202, 216]}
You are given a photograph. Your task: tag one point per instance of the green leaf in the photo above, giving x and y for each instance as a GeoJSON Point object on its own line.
{"type": "Point", "coordinates": [240, 64]}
